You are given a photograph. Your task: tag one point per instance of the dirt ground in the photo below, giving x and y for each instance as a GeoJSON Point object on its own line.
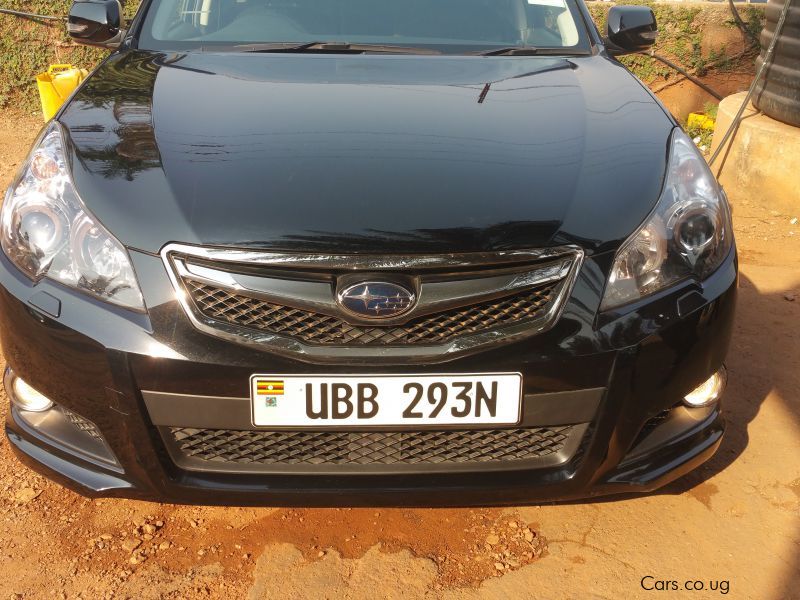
{"type": "Point", "coordinates": [682, 97]}
{"type": "Point", "coordinates": [733, 525]}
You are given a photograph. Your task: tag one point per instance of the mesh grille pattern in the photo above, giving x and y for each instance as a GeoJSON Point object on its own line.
{"type": "Point", "coordinates": [233, 307]}
{"type": "Point", "coordinates": [83, 424]}
{"type": "Point", "coordinates": [652, 424]}
{"type": "Point", "coordinates": [369, 448]}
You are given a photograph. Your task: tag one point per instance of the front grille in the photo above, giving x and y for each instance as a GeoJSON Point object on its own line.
{"type": "Point", "coordinates": [316, 328]}
{"type": "Point", "coordinates": [290, 303]}
{"type": "Point", "coordinates": [224, 449]}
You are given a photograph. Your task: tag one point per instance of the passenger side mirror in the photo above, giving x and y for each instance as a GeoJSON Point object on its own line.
{"type": "Point", "coordinates": [630, 29]}
{"type": "Point", "coordinates": [96, 22]}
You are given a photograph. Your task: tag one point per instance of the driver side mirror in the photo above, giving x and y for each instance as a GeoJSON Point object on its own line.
{"type": "Point", "coordinates": [96, 22]}
{"type": "Point", "coordinates": [630, 29]}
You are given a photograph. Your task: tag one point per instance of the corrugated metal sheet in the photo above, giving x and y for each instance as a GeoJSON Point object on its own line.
{"type": "Point", "coordinates": [778, 93]}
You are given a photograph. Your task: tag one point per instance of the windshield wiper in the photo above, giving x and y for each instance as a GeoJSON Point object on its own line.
{"type": "Point", "coordinates": [273, 47]}
{"type": "Point", "coordinates": [334, 47]}
{"type": "Point", "coordinates": [525, 51]}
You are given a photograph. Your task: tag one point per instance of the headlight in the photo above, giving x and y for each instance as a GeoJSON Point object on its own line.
{"type": "Point", "coordinates": [46, 230]}
{"type": "Point", "coordinates": [688, 234]}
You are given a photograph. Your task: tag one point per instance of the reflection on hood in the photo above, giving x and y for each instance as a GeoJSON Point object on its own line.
{"type": "Point", "coordinates": [354, 152]}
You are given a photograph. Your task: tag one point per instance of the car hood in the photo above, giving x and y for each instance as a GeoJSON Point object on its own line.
{"type": "Point", "coordinates": [366, 153]}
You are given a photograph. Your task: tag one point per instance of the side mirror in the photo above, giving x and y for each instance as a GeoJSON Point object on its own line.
{"type": "Point", "coordinates": [630, 29]}
{"type": "Point", "coordinates": [96, 22]}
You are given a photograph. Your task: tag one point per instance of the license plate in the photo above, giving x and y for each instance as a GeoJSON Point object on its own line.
{"type": "Point", "coordinates": [380, 400]}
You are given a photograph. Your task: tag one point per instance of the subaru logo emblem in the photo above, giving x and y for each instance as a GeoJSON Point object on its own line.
{"type": "Point", "coordinates": [376, 299]}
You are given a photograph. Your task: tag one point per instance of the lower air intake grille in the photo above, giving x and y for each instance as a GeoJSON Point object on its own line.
{"type": "Point", "coordinates": [316, 328]}
{"type": "Point", "coordinates": [652, 424]}
{"type": "Point", "coordinates": [82, 424]}
{"type": "Point", "coordinates": [226, 449]}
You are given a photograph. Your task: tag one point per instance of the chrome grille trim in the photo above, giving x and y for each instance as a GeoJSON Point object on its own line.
{"type": "Point", "coordinates": [367, 262]}
{"type": "Point", "coordinates": [447, 282]}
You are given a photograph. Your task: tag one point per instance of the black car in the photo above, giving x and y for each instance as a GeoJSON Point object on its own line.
{"type": "Point", "coordinates": [362, 252]}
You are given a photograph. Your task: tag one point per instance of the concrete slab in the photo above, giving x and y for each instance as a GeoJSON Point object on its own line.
{"type": "Point", "coordinates": [762, 162]}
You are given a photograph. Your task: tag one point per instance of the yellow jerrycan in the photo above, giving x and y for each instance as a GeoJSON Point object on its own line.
{"type": "Point", "coordinates": [55, 86]}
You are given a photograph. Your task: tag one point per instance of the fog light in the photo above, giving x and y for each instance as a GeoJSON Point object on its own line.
{"type": "Point", "coordinates": [27, 398]}
{"type": "Point", "coordinates": [709, 391]}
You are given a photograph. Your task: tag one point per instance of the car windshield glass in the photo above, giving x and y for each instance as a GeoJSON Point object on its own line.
{"type": "Point", "coordinates": [446, 26]}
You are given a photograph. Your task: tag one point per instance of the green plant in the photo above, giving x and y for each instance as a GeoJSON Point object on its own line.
{"type": "Point", "coordinates": [28, 48]}
{"type": "Point", "coordinates": [702, 137]}
{"type": "Point", "coordinates": [680, 33]}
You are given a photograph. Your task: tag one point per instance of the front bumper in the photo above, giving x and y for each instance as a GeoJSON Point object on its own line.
{"type": "Point", "coordinates": [622, 375]}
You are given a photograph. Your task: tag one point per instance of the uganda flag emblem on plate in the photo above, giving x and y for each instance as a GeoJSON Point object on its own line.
{"type": "Point", "coordinates": [269, 387]}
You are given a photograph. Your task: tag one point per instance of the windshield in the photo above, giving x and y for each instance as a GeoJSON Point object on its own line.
{"type": "Point", "coordinates": [447, 26]}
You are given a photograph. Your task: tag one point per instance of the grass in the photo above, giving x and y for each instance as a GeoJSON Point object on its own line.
{"type": "Point", "coordinates": [702, 137]}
